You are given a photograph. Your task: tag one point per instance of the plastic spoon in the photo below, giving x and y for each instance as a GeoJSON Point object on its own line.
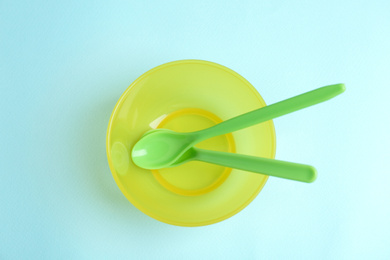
{"type": "Point", "coordinates": [272, 167]}
{"type": "Point", "coordinates": [162, 148]}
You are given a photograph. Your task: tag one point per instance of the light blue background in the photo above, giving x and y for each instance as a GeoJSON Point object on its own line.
{"type": "Point", "coordinates": [64, 64]}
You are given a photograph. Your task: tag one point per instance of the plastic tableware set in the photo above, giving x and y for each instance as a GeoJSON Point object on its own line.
{"type": "Point", "coordinates": [192, 143]}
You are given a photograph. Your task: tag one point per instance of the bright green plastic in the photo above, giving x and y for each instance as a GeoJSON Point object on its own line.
{"type": "Point", "coordinates": [160, 149]}
{"type": "Point", "coordinates": [272, 111]}
{"type": "Point", "coordinates": [271, 167]}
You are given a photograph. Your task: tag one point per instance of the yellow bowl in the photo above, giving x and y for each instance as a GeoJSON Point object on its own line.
{"type": "Point", "coordinates": [185, 96]}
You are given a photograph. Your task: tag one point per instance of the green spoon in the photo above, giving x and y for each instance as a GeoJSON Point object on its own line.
{"type": "Point", "coordinates": [271, 167]}
{"type": "Point", "coordinates": [162, 148]}
{"type": "Point", "coordinates": [276, 168]}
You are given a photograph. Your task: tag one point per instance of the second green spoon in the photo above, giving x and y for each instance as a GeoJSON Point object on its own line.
{"type": "Point", "coordinates": [271, 167]}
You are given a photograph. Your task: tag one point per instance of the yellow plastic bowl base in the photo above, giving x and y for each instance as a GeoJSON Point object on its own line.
{"type": "Point", "coordinates": [185, 96]}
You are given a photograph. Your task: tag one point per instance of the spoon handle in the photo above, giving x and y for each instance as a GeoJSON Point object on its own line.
{"type": "Point", "coordinates": [272, 111]}
{"type": "Point", "coordinates": [271, 167]}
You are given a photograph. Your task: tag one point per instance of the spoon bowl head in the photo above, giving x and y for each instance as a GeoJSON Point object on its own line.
{"type": "Point", "coordinates": [160, 148]}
